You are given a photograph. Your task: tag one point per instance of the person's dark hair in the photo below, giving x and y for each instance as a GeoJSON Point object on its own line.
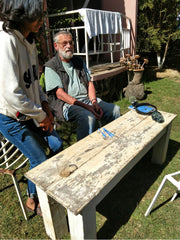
{"type": "Point", "coordinates": [14, 12]}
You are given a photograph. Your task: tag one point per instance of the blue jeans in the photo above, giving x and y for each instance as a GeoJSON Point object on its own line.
{"type": "Point", "coordinates": [24, 135]}
{"type": "Point", "coordinates": [86, 120]}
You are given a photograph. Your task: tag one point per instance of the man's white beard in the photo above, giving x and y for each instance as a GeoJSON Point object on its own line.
{"type": "Point", "coordinates": [66, 55]}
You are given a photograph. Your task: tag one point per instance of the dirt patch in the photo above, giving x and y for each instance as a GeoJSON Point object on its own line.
{"type": "Point", "coordinates": [167, 73]}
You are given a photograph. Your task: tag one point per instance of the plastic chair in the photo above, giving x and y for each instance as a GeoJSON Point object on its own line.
{"type": "Point", "coordinates": [169, 177]}
{"type": "Point", "coordinates": [11, 159]}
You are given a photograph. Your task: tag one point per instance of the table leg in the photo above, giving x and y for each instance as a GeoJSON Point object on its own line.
{"type": "Point", "coordinates": [160, 148]}
{"type": "Point", "coordinates": [83, 225]}
{"type": "Point", "coordinates": [54, 216]}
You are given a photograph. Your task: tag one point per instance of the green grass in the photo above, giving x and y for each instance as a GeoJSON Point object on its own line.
{"type": "Point", "coordinates": [121, 214]}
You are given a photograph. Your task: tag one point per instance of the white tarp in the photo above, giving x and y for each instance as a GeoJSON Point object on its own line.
{"type": "Point", "coordinates": [101, 22]}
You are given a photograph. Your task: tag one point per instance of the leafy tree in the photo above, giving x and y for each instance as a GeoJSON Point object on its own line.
{"type": "Point", "coordinates": [157, 26]}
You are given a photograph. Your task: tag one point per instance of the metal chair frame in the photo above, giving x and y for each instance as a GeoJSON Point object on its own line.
{"type": "Point", "coordinates": [11, 159]}
{"type": "Point", "coordinates": [170, 178]}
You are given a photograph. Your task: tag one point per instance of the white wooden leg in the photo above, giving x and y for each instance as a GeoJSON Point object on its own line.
{"type": "Point", "coordinates": [160, 148]}
{"type": "Point", "coordinates": [83, 226]}
{"type": "Point", "coordinates": [156, 196]}
{"type": "Point", "coordinates": [54, 216]}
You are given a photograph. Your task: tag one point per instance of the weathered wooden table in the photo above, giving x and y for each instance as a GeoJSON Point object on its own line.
{"type": "Point", "coordinates": [101, 163]}
{"type": "Point", "coordinates": [102, 71]}
{"type": "Point", "coordinates": [109, 80]}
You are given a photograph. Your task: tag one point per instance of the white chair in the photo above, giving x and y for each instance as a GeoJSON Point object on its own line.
{"type": "Point", "coordinates": [169, 177]}
{"type": "Point", "coordinates": [11, 159]}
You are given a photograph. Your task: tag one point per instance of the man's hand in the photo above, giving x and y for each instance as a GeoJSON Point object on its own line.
{"type": "Point", "coordinates": [47, 110]}
{"type": "Point", "coordinates": [95, 109]}
{"type": "Point", "coordinates": [98, 110]}
{"type": "Point", "coordinates": [46, 125]}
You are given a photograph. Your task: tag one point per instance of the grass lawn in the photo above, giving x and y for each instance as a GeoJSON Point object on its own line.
{"type": "Point", "coordinates": [121, 214]}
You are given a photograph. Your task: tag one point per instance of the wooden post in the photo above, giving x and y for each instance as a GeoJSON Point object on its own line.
{"type": "Point", "coordinates": [83, 225]}
{"type": "Point", "coordinates": [54, 216]}
{"type": "Point", "coordinates": [161, 147]}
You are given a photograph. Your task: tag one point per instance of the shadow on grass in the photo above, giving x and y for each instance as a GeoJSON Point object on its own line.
{"type": "Point", "coordinates": [121, 202]}
{"type": "Point", "coordinates": [163, 203]}
{"type": "Point", "coordinates": [22, 179]}
{"type": "Point", "coordinates": [67, 132]}
{"type": "Point", "coordinates": [160, 205]}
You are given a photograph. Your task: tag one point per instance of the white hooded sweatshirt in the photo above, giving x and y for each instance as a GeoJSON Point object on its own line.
{"type": "Point", "coordinates": [19, 85]}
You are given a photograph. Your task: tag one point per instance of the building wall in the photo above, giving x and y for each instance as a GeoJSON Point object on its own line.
{"type": "Point", "coordinates": [128, 8]}
{"type": "Point", "coordinates": [73, 4]}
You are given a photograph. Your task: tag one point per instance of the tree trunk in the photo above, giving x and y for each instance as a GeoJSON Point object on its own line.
{"type": "Point", "coordinates": [158, 59]}
{"type": "Point", "coordinates": [159, 62]}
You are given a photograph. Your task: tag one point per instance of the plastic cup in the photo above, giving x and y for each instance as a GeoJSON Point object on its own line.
{"type": "Point", "coordinates": [63, 168]}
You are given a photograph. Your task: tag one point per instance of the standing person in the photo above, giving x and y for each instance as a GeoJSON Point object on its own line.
{"type": "Point", "coordinates": [24, 111]}
{"type": "Point", "coordinates": [71, 91]}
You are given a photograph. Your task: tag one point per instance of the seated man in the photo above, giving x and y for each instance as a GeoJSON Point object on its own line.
{"type": "Point", "coordinates": [71, 92]}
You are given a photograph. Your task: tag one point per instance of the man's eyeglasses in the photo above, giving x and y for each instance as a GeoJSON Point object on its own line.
{"type": "Point", "coordinates": [65, 43]}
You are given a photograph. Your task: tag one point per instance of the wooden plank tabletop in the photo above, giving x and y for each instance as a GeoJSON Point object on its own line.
{"type": "Point", "coordinates": [98, 160]}
{"type": "Point", "coordinates": [99, 72]}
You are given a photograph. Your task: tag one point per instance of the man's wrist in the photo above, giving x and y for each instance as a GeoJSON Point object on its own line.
{"type": "Point", "coordinates": [93, 100]}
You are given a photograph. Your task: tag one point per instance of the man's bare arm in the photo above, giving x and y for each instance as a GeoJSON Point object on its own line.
{"type": "Point", "coordinates": [62, 95]}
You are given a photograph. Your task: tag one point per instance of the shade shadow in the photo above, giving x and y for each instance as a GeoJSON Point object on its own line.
{"type": "Point", "coordinates": [121, 202]}
{"type": "Point", "coordinates": [22, 179]}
